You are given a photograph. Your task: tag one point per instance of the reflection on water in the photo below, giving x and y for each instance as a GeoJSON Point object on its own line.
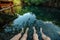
{"type": "Point", "coordinates": [23, 19]}
{"type": "Point", "coordinates": [29, 20]}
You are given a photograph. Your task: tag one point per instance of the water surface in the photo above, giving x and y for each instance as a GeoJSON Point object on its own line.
{"type": "Point", "coordinates": [29, 20]}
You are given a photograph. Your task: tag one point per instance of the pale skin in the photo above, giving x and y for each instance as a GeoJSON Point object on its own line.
{"type": "Point", "coordinates": [44, 37]}
{"type": "Point", "coordinates": [35, 35]}
{"type": "Point", "coordinates": [16, 37]}
{"type": "Point", "coordinates": [25, 35]}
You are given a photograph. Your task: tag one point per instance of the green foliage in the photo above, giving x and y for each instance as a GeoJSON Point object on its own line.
{"type": "Point", "coordinates": [36, 2]}
{"type": "Point", "coordinates": [43, 13]}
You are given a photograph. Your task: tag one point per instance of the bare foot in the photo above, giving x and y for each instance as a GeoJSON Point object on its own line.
{"type": "Point", "coordinates": [44, 37]}
{"type": "Point", "coordinates": [35, 36]}
{"type": "Point", "coordinates": [16, 37]}
{"type": "Point", "coordinates": [25, 35]}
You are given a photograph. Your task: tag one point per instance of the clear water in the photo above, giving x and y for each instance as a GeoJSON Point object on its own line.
{"type": "Point", "coordinates": [29, 20]}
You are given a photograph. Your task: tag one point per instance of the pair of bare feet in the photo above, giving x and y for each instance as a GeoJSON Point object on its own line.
{"type": "Point", "coordinates": [35, 35]}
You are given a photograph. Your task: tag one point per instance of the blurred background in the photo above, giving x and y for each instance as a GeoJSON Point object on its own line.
{"type": "Point", "coordinates": [15, 14]}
